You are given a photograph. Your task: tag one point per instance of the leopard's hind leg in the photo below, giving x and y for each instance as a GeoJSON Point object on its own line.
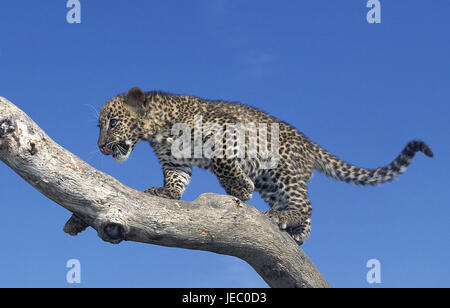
{"type": "Point", "coordinates": [286, 192]}
{"type": "Point", "coordinates": [294, 216]}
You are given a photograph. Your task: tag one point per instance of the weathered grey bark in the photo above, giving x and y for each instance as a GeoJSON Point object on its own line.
{"type": "Point", "coordinates": [217, 223]}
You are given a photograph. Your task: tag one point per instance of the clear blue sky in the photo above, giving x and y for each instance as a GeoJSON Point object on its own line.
{"type": "Point", "coordinates": [360, 90]}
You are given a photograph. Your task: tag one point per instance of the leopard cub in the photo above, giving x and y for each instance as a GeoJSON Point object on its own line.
{"type": "Point", "coordinates": [136, 116]}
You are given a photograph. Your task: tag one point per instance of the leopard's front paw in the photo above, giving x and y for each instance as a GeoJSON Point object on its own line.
{"type": "Point", "coordinates": [241, 190]}
{"type": "Point", "coordinates": [163, 192]}
{"type": "Point", "coordinates": [243, 194]}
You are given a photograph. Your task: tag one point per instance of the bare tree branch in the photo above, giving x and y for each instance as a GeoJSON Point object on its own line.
{"type": "Point", "coordinates": [216, 223]}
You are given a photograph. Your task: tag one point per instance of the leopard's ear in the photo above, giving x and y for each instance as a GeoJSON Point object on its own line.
{"type": "Point", "coordinates": [135, 97]}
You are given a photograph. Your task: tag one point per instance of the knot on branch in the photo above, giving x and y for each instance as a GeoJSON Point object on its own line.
{"type": "Point", "coordinates": [112, 232]}
{"type": "Point", "coordinates": [7, 126]}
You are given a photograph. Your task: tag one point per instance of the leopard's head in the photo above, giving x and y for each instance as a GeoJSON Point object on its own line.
{"type": "Point", "coordinates": [121, 125]}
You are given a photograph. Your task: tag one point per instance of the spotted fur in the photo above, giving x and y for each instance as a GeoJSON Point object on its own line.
{"type": "Point", "coordinates": [137, 116]}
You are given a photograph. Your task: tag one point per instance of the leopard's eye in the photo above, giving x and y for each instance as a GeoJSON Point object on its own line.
{"type": "Point", "coordinates": [113, 123]}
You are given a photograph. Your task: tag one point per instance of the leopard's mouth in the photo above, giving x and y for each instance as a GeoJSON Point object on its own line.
{"type": "Point", "coordinates": [119, 150]}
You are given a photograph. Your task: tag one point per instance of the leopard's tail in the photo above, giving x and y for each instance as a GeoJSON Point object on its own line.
{"type": "Point", "coordinates": [338, 169]}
